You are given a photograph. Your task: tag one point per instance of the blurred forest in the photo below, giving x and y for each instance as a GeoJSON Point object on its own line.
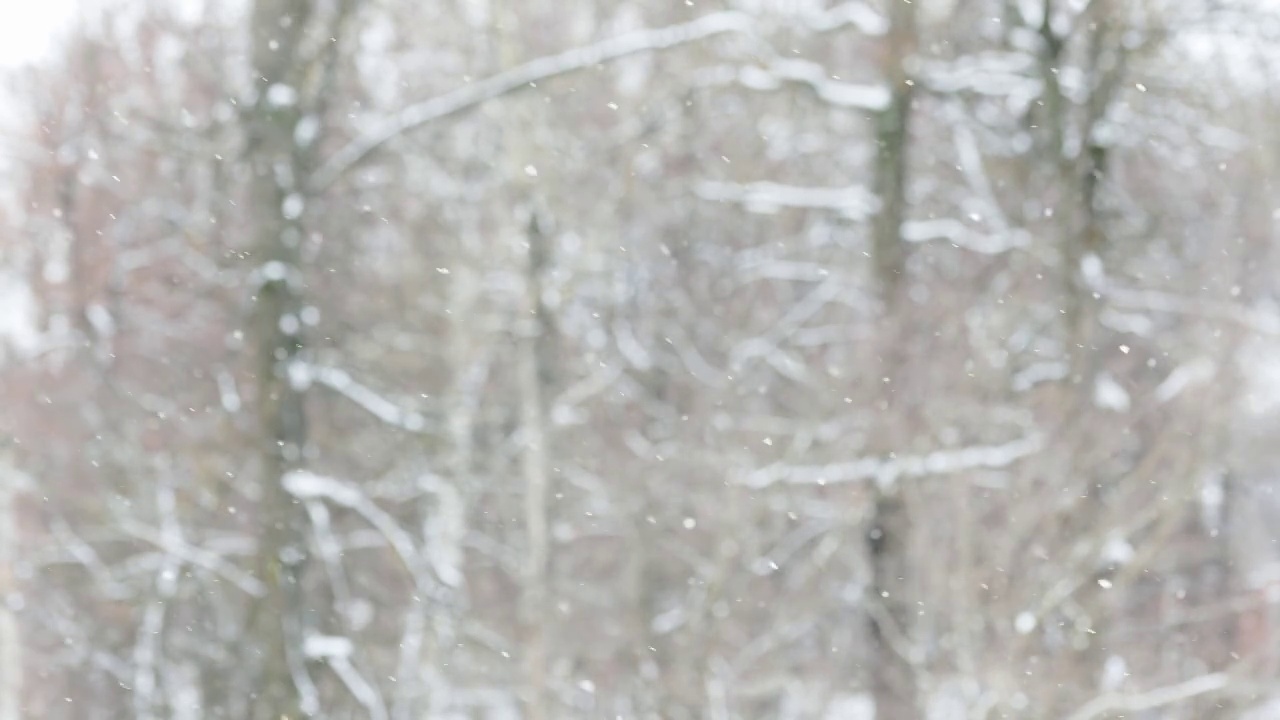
{"type": "Point", "coordinates": [642, 359]}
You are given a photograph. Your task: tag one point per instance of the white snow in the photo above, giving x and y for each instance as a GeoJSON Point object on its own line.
{"type": "Point", "coordinates": [1117, 550]}
{"type": "Point", "coordinates": [274, 271]}
{"type": "Point", "coordinates": [28, 29]}
{"type": "Point", "coordinates": [18, 325]}
{"type": "Point", "coordinates": [886, 471]}
{"type": "Point", "coordinates": [281, 95]}
{"type": "Point", "coordinates": [1025, 622]}
{"type": "Point", "coordinates": [444, 530]}
{"type": "Point", "coordinates": [630, 347]}
{"type": "Point", "coordinates": [858, 14]}
{"type": "Point", "coordinates": [1038, 373]}
{"type": "Point", "coordinates": [854, 202]}
{"type": "Point", "coordinates": [292, 207]}
{"type": "Point", "coordinates": [1109, 394]}
{"type": "Point", "coordinates": [666, 622]}
{"type": "Point", "coordinates": [1212, 499]}
{"type": "Point", "coordinates": [1114, 672]}
{"type": "Point", "coordinates": [100, 320]}
{"type": "Point", "coordinates": [309, 486]}
{"type": "Point", "coordinates": [306, 131]}
{"type": "Point", "coordinates": [1092, 270]}
{"type": "Point", "coordinates": [228, 395]}
{"type": "Point", "coordinates": [960, 235]}
{"type": "Point", "coordinates": [289, 324]}
{"type": "Point", "coordinates": [322, 647]}
{"type": "Point", "coordinates": [300, 376]}
{"type": "Point", "coordinates": [851, 707]}
{"type": "Point", "coordinates": [527, 75]}
{"type": "Point", "coordinates": [341, 382]}
{"type": "Point", "coordinates": [1184, 377]}
{"type": "Point", "coordinates": [804, 72]}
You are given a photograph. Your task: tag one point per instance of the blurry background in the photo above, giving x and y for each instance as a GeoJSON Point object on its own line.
{"type": "Point", "coordinates": [645, 359]}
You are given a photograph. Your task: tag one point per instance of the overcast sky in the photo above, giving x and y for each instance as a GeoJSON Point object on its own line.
{"type": "Point", "coordinates": [26, 27]}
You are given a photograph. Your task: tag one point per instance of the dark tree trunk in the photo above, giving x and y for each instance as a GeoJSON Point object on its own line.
{"type": "Point", "coordinates": [275, 338]}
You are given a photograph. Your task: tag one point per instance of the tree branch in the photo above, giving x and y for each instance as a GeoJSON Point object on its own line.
{"type": "Point", "coordinates": [887, 470]}
{"type": "Point", "coordinates": [522, 76]}
{"type": "Point", "coordinates": [1137, 702]}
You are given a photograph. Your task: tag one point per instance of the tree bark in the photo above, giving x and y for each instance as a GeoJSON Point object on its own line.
{"type": "Point", "coordinates": [892, 128]}
{"type": "Point", "coordinates": [275, 336]}
{"type": "Point", "coordinates": [893, 683]}
{"type": "Point", "coordinates": [532, 373]}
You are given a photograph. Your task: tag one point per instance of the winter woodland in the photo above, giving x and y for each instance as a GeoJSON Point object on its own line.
{"type": "Point", "coordinates": [642, 359]}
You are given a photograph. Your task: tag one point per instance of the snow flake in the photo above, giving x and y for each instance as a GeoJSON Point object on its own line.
{"type": "Point", "coordinates": [281, 95]}
{"type": "Point", "coordinates": [1110, 395]}
{"type": "Point", "coordinates": [1025, 623]}
{"type": "Point", "coordinates": [292, 206]}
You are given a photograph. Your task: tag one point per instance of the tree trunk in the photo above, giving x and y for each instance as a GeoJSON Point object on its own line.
{"type": "Point", "coordinates": [893, 684]}
{"type": "Point", "coordinates": [532, 373]}
{"type": "Point", "coordinates": [276, 187]}
{"type": "Point", "coordinates": [892, 128]}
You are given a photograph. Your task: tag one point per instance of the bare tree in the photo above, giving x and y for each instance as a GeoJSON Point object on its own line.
{"type": "Point", "coordinates": [621, 359]}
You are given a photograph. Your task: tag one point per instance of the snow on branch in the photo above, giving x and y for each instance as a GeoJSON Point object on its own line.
{"type": "Point", "coordinates": [306, 485]}
{"type": "Point", "coordinates": [959, 234]}
{"type": "Point", "coordinates": [856, 13]}
{"type": "Point", "coordinates": [1187, 375]}
{"type": "Point", "coordinates": [887, 470]}
{"type": "Point", "coordinates": [341, 382]}
{"type": "Point", "coordinates": [1264, 321]}
{"type": "Point", "coordinates": [522, 76]}
{"type": "Point", "coordinates": [811, 75]}
{"type": "Point", "coordinates": [336, 651]}
{"type": "Point", "coordinates": [1123, 703]}
{"type": "Point", "coordinates": [1010, 75]}
{"type": "Point", "coordinates": [854, 202]}
{"type": "Point", "coordinates": [858, 204]}
{"type": "Point", "coordinates": [176, 547]}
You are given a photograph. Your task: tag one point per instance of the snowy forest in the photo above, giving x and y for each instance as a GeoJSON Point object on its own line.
{"type": "Point", "coordinates": [642, 360]}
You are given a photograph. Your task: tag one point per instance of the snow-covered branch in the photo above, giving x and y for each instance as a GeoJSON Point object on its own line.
{"type": "Point", "coordinates": [811, 75]}
{"type": "Point", "coordinates": [855, 13]}
{"type": "Point", "coordinates": [769, 347]}
{"type": "Point", "coordinates": [1114, 703]}
{"type": "Point", "coordinates": [84, 554]}
{"type": "Point", "coordinates": [854, 202]}
{"type": "Point", "coordinates": [176, 547]}
{"type": "Point", "coordinates": [149, 636]}
{"type": "Point", "coordinates": [1187, 375]}
{"type": "Point", "coordinates": [306, 485]}
{"type": "Point", "coordinates": [887, 470]}
{"type": "Point", "coordinates": [1078, 570]}
{"type": "Point", "coordinates": [1264, 323]}
{"type": "Point", "coordinates": [1261, 321]}
{"type": "Point", "coordinates": [336, 651]}
{"type": "Point", "coordinates": [1010, 75]}
{"type": "Point", "coordinates": [959, 234]}
{"type": "Point", "coordinates": [341, 382]}
{"type": "Point", "coordinates": [858, 204]}
{"type": "Point", "coordinates": [565, 408]}
{"type": "Point", "coordinates": [522, 76]}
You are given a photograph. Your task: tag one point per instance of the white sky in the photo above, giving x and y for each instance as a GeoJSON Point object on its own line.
{"type": "Point", "coordinates": [28, 26]}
